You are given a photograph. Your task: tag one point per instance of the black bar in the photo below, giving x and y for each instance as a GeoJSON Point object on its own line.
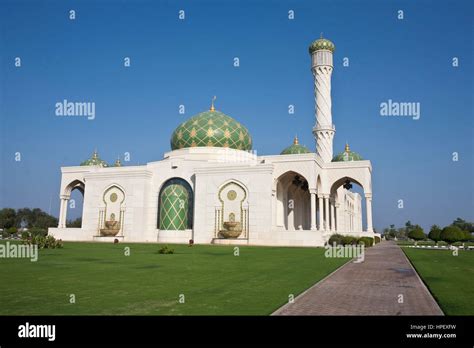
{"type": "Point", "coordinates": [286, 330]}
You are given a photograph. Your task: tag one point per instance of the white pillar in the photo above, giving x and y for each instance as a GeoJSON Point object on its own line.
{"type": "Point", "coordinates": [62, 212]}
{"type": "Point", "coordinates": [326, 217]}
{"type": "Point", "coordinates": [331, 217]}
{"type": "Point", "coordinates": [313, 210]}
{"type": "Point", "coordinates": [334, 217]}
{"type": "Point", "coordinates": [321, 212]}
{"type": "Point", "coordinates": [368, 202]}
{"type": "Point", "coordinates": [60, 217]}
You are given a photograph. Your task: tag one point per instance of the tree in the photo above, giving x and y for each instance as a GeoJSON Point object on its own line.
{"type": "Point", "coordinates": [463, 225]}
{"type": "Point", "coordinates": [7, 218]}
{"type": "Point", "coordinates": [467, 236]}
{"type": "Point", "coordinates": [435, 233]}
{"type": "Point", "coordinates": [74, 223]}
{"type": "Point", "coordinates": [401, 233]}
{"type": "Point", "coordinates": [451, 234]}
{"type": "Point", "coordinates": [417, 233]}
{"type": "Point", "coordinates": [35, 218]}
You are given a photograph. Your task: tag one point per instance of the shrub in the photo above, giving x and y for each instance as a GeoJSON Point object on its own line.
{"type": "Point", "coordinates": [35, 231]}
{"type": "Point", "coordinates": [48, 242]}
{"type": "Point", "coordinates": [435, 233]}
{"type": "Point", "coordinates": [24, 235]}
{"type": "Point", "coordinates": [376, 239]}
{"type": "Point", "coordinates": [367, 241]}
{"type": "Point", "coordinates": [12, 230]}
{"type": "Point", "coordinates": [165, 250]}
{"type": "Point", "coordinates": [335, 238]}
{"type": "Point", "coordinates": [451, 234]}
{"type": "Point", "coordinates": [5, 235]}
{"type": "Point", "coordinates": [349, 240]}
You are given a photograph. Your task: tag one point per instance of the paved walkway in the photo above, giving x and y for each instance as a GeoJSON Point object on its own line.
{"type": "Point", "coordinates": [368, 288]}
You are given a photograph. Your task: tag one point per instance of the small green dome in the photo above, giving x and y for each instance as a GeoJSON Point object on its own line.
{"type": "Point", "coordinates": [295, 148]}
{"type": "Point", "coordinates": [321, 44]}
{"type": "Point", "coordinates": [94, 161]}
{"type": "Point", "coordinates": [211, 128]}
{"type": "Point", "coordinates": [347, 156]}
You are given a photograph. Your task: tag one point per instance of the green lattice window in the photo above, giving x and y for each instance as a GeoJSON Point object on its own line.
{"type": "Point", "coordinates": [175, 210]}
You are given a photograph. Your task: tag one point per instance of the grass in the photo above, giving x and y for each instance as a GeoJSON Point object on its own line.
{"type": "Point", "coordinates": [449, 278]}
{"type": "Point", "coordinates": [432, 243]}
{"type": "Point", "coordinates": [106, 282]}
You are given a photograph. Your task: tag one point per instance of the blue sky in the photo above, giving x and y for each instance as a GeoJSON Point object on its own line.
{"type": "Point", "coordinates": [186, 62]}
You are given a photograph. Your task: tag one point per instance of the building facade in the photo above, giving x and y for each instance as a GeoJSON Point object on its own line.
{"type": "Point", "coordinates": [211, 187]}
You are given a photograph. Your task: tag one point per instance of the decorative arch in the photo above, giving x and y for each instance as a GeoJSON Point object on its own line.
{"type": "Point", "coordinates": [233, 206]}
{"type": "Point", "coordinates": [339, 182]}
{"type": "Point", "coordinates": [175, 205]}
{"type": "Point", "coordinates": [74, 185]}
{"type": "Point", "coordinates": [112, 214]}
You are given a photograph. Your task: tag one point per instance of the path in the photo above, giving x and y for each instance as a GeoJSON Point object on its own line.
{"type": "Point", "coordinates": [372, 287]}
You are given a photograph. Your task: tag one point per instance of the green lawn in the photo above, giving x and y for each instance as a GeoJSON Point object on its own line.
{"type": "Point", "coordinates": [105, 281]}
{"type": "Point", "coordinates": [449, 278]}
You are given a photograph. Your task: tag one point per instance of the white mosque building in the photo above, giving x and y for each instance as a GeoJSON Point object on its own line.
{"type": "Point", "coordinates": [211, 188]}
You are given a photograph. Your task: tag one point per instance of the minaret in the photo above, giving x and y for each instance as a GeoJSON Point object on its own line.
{"type": "Point", "coordinates": [321, 52]}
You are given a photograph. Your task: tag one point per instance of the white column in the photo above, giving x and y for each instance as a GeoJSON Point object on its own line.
{"type": "Point", "coordinates": [62, 212]}
{"type": "Point", "coordinates": [326, 217]}
{"type": "Point", "coordinates": [321, 213]}
{"type": "Point", "coordinates": [60, 218]}
{"type": "Point", "coordinates": [334, 217]}
{"type": "Point", "coordinates": [331, 217]}
{"type": "Point", "coordinates": [313, 210]}
{"type": "Point", "coordinates": [368, 202]}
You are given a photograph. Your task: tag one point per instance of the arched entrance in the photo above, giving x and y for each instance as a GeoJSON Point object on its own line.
{"type": "Point", "coordinates": [346, 206]}
{"type": "Point", "coordinates": [76, 185]}
{"type": "Point", "coordinates": [293, 205]}
{"type": "Point", "coordinates": [175, 205]}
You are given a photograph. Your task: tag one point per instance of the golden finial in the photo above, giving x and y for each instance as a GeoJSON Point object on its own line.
{"type": "Point", "coordinates": [95, 155]}
{"type": "Point", "coordinates": [212, 104]}
{"type": "Point", "coordinates": [295, 141]}
{"type": "Point", "coordinates": [347, 149]}
{"type": "Point", "coordinates": [117, 162]}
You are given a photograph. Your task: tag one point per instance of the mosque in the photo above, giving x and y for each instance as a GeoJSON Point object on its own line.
{"type": "Point", "coordinates": [211, 187]}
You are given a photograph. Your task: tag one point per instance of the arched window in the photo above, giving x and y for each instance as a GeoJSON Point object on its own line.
{"type": "Point", "coordinates": [175, 205]}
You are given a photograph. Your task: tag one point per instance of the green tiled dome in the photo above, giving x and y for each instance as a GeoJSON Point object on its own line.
{"type": "Point", "coordinates": [295, 148]}
{"type": "Point", "coordinates": [94, 161]}
{"type": "Point", "coordinates": [211, 128]}
{"type": "Point", "coordinates": [321, 44]}
{"type": "Point", "coordinates": [347, 156]}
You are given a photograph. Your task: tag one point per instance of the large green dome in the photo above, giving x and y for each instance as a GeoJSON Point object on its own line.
{"type": "Point", "coordinates": [347, 156]}
{"type": "Point", "coordinates": [321, 44]}
{"type": "Point", "coordinates": [295, 148]}
{"type": "Point", "coordinates": [211, 128]}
